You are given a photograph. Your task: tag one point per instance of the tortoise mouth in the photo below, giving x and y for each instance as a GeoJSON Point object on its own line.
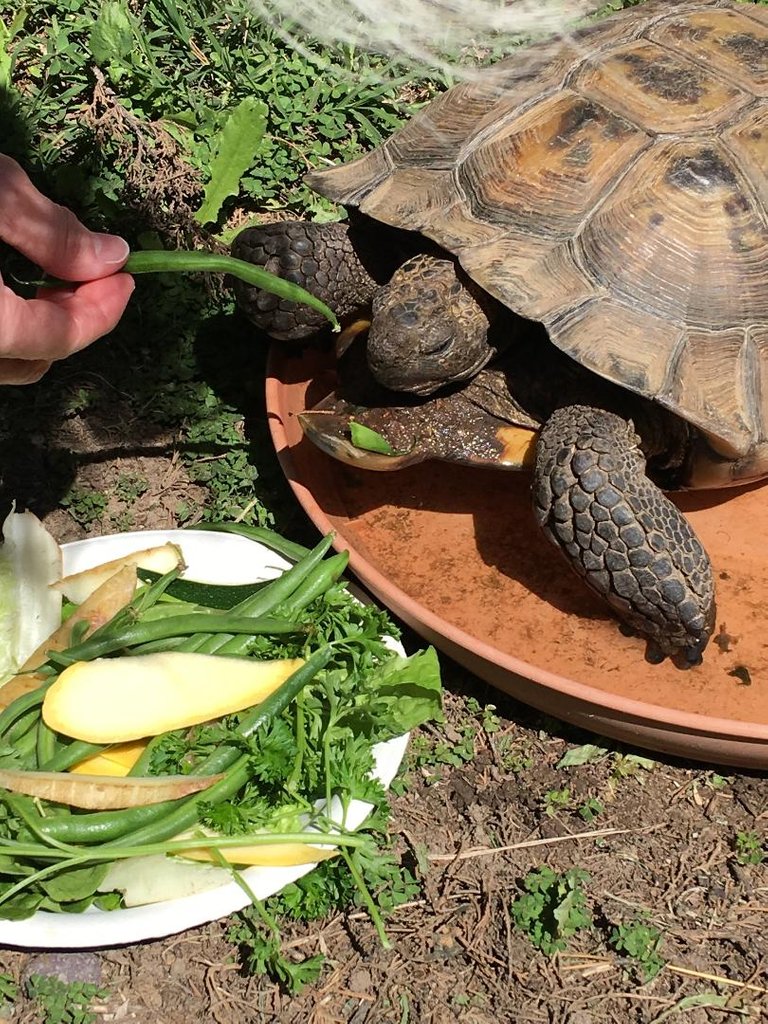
{"type": "Point", "coordinates": [330, 432]}
{"type": "Point", "coordinates": [452, 424]}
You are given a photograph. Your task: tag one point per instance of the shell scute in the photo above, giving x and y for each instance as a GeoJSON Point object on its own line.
{"type": "Point", "coordinates": [747, 139]}
{"type": "Point", "coordinates": [732, 42]}
{"type": "Point", "coordinates": [713, 380]}
{"type": "Point", "coordinates": [620, 342]}
{"type": "Point", "coordinates": [704, 259]}
{"type": "Point", "coordinates": [544, 171]}
{"type": "Point", "coordinates": [658, 90]}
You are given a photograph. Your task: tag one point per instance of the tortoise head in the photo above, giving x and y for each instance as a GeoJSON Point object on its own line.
{"type": "Point", "coordinates": [429, 328]}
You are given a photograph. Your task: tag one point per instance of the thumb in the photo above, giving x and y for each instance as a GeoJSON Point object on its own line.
{"type": "Point", "coordinates": [51, 235]}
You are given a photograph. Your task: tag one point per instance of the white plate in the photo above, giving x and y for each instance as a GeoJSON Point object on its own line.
{"type": "Point", "coordinates": [212, 558]}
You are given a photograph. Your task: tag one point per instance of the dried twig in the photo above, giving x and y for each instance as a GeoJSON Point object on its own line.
{"type": "Point", "coordinates": [717, 978]}
{"type": "Point", "coordinates": [488, 851]}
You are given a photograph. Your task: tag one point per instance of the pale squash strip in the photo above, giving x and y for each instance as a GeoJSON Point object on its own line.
{"type": "Point", "coordinates": [101, 792]}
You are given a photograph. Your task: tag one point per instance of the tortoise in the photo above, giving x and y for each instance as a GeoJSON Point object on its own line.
{"type": "Point", "coordinates": [609, 187]}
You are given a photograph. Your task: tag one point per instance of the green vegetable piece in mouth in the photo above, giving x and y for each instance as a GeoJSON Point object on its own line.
{"type": "Point", "coordinates": [369, 440]}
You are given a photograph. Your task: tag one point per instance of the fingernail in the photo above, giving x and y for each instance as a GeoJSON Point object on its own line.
{"type": "Point", "coordinates": [111, 249]}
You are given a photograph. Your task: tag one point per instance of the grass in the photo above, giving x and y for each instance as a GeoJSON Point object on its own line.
{"type": "Point", "coordinates": [170, 76]}
{"type": "Point", "coordinates": [121, 115]}
{"type": "Point", "coordinates": [9, 991]}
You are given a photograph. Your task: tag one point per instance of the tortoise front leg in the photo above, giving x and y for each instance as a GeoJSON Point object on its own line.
{"type": "Point", "coordinates": [319, 257]}
{"type": "Point", "coordinates": [341, 263]}
{"type": "Point", "coordinates": [620, 533]}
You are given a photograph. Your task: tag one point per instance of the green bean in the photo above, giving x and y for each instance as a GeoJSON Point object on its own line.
{"type": "Point", "coordinates": [19, 707]}
{"type": "Point", "coordinates": [142, 765]}
{"type": "Point", "coordinates": [93, 827]}
{"type": "Point", "coordinates": [152, 261]}
{"type": "Point", "coordinates": [73, 753]}
{"type": "Point", "coordinates": [46, 745]}
{"type": "Point", "coordinates": [283, 586]}
{"type": "Point", "coordinates": [234, 646]}
{"type": "Point", "coordinates": [315, 585]}
{"type": "Point", "coordinates": [176, 607]}
{"type": "Point", "coordinates": [149, 595]}
{"type": "Point", "coordinates": [22, 726]}
{"type": "Point", "coordinates": [172, 643]}
{"type": "Point", "coordinates": [110, 826]}
{"type": "Point", "coordinates": [162, 261]}
{"type": "Point", "coordinates": [160, 629]}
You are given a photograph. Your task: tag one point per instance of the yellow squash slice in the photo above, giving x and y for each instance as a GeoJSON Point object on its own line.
{"type": "Point", "coordinates": [80, 585]}
{"type": "Point", "coordinates": [274, 855]}
{"type": "Point", "coordinates": [115, 700]}
{"type": "Point", "coordinates": [116, 761]}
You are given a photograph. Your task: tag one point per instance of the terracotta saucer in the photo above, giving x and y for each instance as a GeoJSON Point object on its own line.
{"type": "Point", "coordinates": [454, 552]}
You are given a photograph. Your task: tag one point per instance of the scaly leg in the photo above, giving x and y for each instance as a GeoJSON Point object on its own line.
{"type": "Point", "coordinates": [620, 533]}
{"type": "Point", "coordinates": [341, 263]}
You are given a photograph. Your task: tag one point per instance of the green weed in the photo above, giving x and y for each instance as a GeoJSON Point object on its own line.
{"type": "Point", "coordinates": [63, 1003]}
{"type": "Point", "coordinates": [85, 504]}
{"type": "Point", "coordinates": [556, 800]}
{"type": "Point", "coordinates": [591, 809]}
{"type": "Point", "coordinates": [512, 755]}
{"type": "Point", "coordinates": [485, 714]}
{"type": "Point", "coordinates": [431, 751]}
{"type": "Point", "coordinates": [9, 992]}
{"type": "Point", "coordinates": [626, 766]}
{"type": "Point", "coordinates": [749, 848]}
{"type": "Point", "coordinates": [428, 752]}
{"type": "Point", "coordinates": [639, 944]}
{"type": "Point", "coordinates": [553, 908]}
{"type": "Point", "coordinates": [130, 486]}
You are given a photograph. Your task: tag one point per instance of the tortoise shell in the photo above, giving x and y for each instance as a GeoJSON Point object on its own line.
{"type": "Point", "coordinates": [612, 185]}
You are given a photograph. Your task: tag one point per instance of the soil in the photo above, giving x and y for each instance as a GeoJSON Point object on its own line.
{"type": "Point", "coordinates": [661, 849]}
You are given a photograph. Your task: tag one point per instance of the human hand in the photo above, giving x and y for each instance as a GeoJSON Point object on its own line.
{"type": "Point", "coordinates": [62, 320]}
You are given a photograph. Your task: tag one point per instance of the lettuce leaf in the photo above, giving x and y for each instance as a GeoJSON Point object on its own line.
{"type": "Point", "coordinates": [397, 696]}
{"type": "Point", "coordinates": [30, 560]}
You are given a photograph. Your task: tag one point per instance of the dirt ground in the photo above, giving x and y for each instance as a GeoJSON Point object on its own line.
{"type": "Point", "coordinates": [661, 849]}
